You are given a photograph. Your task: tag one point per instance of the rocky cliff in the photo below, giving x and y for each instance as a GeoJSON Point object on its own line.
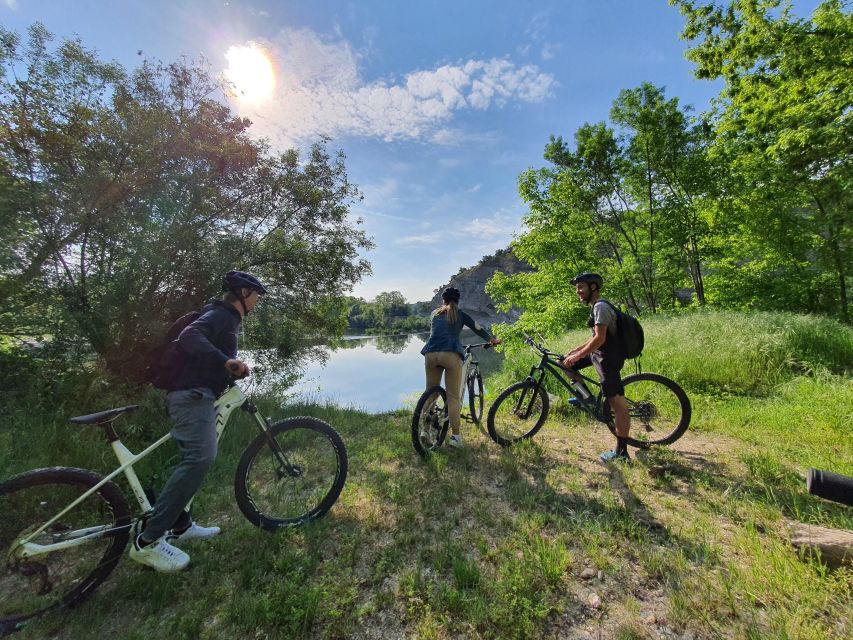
{"type": "Point", "coordinates": [471, 282]}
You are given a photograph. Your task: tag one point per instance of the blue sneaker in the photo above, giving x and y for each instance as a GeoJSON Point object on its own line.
{"type": "Point", "coordinates": [615, 456]}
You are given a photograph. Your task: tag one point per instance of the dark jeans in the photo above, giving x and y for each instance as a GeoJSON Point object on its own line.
{"type": "Point", "coordinates": [194, 428]}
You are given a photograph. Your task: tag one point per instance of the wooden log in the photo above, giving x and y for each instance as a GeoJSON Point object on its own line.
{"type": "Point", "coordinates": [836, 545]}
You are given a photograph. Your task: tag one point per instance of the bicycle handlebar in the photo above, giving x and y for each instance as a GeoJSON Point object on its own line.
{"type": "Point", "coordinates": [541, 349]}
{"type": "Point", "coordinates": [484, 345]}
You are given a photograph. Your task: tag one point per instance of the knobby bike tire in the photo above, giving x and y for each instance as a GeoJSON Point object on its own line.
{"type": "Point", "coordinates": [274, 498]}
{"type": "Point", "coordinates": [475, 397]}
{"type": "Point", "coordinates": [430, 421]}
{"type": "Point", "coordinates": [30, 587]}
{"type": "Point", "coordinates": [659, 408]}
{"type": "Point", "coordinates": [518, 413]}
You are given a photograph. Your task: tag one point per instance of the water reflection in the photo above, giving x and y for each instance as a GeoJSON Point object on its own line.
{"type": "Point", "coordinates": [376, 373]}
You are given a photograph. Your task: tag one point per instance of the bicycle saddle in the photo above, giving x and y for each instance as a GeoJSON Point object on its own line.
{"type": "Point", "coordinates": [104, 416]}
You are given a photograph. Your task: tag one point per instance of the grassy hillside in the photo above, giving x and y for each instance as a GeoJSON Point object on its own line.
{"type": "Point", "coordinates": [538, 541]}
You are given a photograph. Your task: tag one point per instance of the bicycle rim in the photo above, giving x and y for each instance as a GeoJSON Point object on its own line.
{"type": "Point", "coordinates": [658, 407]}
{"type": "Point", "coordinates": [297, 483]}
{"type": "Point", "coordinates": [430, 421]}
{"type": "Point", "coordinates": [518, 413]}
{"type": "Point", "coordinates": [30, 586]}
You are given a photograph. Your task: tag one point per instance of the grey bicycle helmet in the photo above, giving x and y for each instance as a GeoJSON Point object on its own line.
{"type": "Point", "coordinates": [589, 278]}
{"type": "Point", "coordinates": [451, 294]}
{"type": "Point", "coordinates": [236, 280]}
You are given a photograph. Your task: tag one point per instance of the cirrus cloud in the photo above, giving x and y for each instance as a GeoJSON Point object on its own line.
{"type": "Point", "coordinates": [321, 91]}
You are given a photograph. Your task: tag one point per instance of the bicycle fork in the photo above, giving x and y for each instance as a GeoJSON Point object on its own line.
{"type": "Point", "coordinates": [283, 466]}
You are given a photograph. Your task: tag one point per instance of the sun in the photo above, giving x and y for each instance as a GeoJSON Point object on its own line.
{"type": "Point", "coordinates": [251, 72]}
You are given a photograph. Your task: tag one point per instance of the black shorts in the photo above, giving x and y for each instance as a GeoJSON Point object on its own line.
{"type": "Point", "coordinates": [608, 368]}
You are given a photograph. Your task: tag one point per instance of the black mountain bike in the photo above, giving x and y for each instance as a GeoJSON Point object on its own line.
{"type": "Point", "coordinates": [658, 407]}
{"type": "Point", "coordinates": [431, 421]}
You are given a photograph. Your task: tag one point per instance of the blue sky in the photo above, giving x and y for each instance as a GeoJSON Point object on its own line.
{"type": "Point", "coordinates": [438, 105]}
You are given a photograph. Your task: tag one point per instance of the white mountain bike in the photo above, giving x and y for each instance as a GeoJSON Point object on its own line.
{"type": "Point", "coordinates": [431, 420]}
{"type": "Point", "coordinates": [63, 530]}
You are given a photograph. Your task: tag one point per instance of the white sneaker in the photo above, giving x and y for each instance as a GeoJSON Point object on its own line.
{"type": "Point", "coordinates": [455, 441]}
{"type": "Point", "coordinates": [194, 532]}
{"type": "Point", "coordinates": [159, 555]}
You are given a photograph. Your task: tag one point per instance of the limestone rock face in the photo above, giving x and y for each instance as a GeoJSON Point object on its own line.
{"type": "Point", "coordinates": [471, 283]}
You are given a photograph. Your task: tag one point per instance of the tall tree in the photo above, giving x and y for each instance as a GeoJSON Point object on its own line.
{"type": "Point", "coordinates": [132, 192]}
{"type": "Point", "coordinates": [785, 118]}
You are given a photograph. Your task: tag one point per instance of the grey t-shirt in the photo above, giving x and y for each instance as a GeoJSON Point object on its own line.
{"type": "Point", "coordinates": [603, 313]}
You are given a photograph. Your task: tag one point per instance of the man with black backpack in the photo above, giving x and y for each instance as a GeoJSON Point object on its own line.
{"type": "Point", "coordinates": [604, 352]}
{"type": "Point", "coordinates": [208, 364]}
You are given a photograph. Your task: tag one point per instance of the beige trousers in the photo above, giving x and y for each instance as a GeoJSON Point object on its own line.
{"type": "Point", "coordinates": [449, 363]}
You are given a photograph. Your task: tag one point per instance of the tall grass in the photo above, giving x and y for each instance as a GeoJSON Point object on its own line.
{"type": "Point", "coordinates": [725, 352]}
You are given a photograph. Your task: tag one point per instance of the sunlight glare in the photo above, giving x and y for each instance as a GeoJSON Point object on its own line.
{"type": "Point", "coordinates": [251, 71]}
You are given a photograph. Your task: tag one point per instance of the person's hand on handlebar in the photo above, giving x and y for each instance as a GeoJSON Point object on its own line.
{"type": "Point", "coordinates": [237, 368]}
{"type": "Point", "coordinates": [570, 359]}
{"type": "Point", "coordinates": [494, 342]}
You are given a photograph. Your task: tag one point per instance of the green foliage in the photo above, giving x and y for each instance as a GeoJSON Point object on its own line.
{"type": "Point", "coordinates": [634, 207]}
{"type": "Point", "coordinates": [127, 194]}
{"type": "Point", "coordinates": [387, 313]}
{"type": "Point", "coordinates": [784, 127]}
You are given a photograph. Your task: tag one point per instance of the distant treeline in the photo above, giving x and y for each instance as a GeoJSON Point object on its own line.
{"type": "Point", "coordinates": [387, 313]}
{"type": "Point", "coordinates": [748, 206]}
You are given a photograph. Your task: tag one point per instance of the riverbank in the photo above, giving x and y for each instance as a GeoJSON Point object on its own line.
{"type": "Point", "coordinates": [540, 541]}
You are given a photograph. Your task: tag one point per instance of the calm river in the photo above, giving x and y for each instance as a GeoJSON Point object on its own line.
{"type": "Point", "coordinates": [377, 373]}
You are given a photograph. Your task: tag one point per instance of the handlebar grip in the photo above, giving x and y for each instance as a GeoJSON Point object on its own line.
{"type": "Point", "coordinates": [831, 486]}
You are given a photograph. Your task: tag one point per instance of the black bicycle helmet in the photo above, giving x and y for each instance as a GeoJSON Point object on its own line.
{"type": "Point", "coordinates": [236, 280]}
{"type": "Point", "coordinates": [451, 294]}
{"type": "Point", "coordinates": [589, 278]}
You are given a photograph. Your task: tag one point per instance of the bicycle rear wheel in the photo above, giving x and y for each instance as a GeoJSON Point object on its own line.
{"type": "Point", "coordinates": [518, 413]}
{"type": "Point", "coordinates": [430, 421]}
{"type": "Point", "coordinates": [32, 585]}
{"type": "Point", "coordinates": [659, 409]}
{"type": "Point", "coordinates": [297, 482]}
{"type": "Point", "coordinates": [475, 395]}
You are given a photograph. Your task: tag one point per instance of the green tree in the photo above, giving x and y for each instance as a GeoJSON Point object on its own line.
{"type": "Point", "coordinates": [132, 192]}
{"type": "Point", "coordinates": [633, 207]}
{"type": "Point", "coordinates": [784, 124]}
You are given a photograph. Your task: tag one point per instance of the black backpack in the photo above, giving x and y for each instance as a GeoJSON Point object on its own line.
{"type": "Point", "coordinates": [165, 362]}
{"type": "Point", "coordinates": [629, 331]}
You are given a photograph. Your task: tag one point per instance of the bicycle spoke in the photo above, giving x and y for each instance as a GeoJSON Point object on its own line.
{"type": "Point", "coordinates": [297, 485]}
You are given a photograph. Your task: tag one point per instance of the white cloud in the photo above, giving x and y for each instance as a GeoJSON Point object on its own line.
{"type": "Point", "coordinates": [498, 225]}
{"type": "Point", "coordinates": [420, 240]}
{"type": "Point", "coordinates": [320, 91]}
{"type": "Point", "coordinates": [475, 188]}
{"type": "Point", "coordinates": [12, 4]}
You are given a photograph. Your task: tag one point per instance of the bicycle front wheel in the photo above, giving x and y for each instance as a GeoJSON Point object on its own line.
{"type": "Point", "coordinates": [430, 421]}
{"type": "Point", "coordinates": [94, 533]}
{"type": "Point", "coordinates": [475, 396]}
{"type": "Point", "coordinates": [292, 474]}
{"type": "Point", "coordinates": [659, 410]}
{"type": "Point", "coordinates": [518, 413]}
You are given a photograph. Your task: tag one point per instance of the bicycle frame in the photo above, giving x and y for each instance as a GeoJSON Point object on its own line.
{"type": "Point", "coordinates": [466, 364]}
{"type": "Point", "coordinates": [224, 405]}
{"type": "Point", "coordinates": [594, 405]}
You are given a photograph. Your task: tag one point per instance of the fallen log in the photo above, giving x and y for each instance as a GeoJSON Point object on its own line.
{"type": "Point", "coordinates": [836, 545]}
